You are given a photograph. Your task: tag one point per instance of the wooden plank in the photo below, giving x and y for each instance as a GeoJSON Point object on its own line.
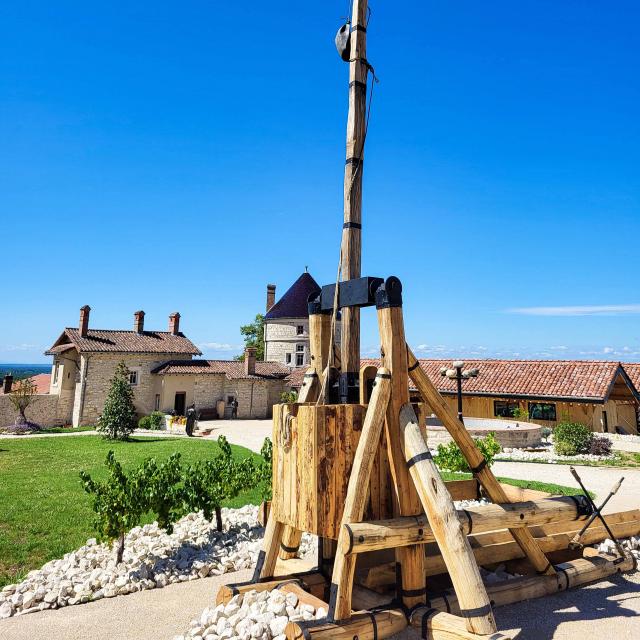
{"type": "Point", "coordinates": [464, 489]}
{"type": "Point", "coordinates": [475, 459]}
{"type": "Point", "coordinates": [344, 567]}
{"type": "Point", "coordinates": [407, 502]}
{"type": "Point", "coordinates": [445, 626]}
{"type": "Point", "coordinates": [446, 528]}
{"type": "Point", "coordinates": [270, 547]}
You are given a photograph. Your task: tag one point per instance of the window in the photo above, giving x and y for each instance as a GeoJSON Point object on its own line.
{"type": "Point", "coordinates": [299, 359]}
{"type": "Point", "coordinates": [56, 371]}
{"type": "Point", "coordinates": [287, 358]}
{"type": "Point", "coordinates": [230, 399]}
{"type": "Point", "coordinates": [503, 409]}
{"type": "Point", "coordinates": [299, 329]}
{"type": "Point", "coordinates": [299, 348]}
{"type": "Point", "coordinates": [542, 411]}
{"type": "Point", "coordinates": [133, 378]}
{"type": "Point", "coordinates": [157, 402]}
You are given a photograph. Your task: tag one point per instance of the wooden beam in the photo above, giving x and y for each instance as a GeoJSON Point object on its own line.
{"type": "Point", "coordinates": [445, 626]}
{"type": "Point", "coordinates": [351, 250]}
{"type": "Point", "coordinates": [474, 458]}
{"type": "Point", "coordinates": [309, 582]}
{"type": "Point", "coordinates": [570, 575]}
{"type": "Point", "coordinates": [356, 502]}
{"type": "Point", "coordinates": [397, 532]}
{"type": "Point", "coordinates": [268, 557]}
{"type": "Point", "coordinates": [406, 500]}
{"type": "Point", "coordinates": [375, 625]}
{"type": "Point", "coordinates": [446, 528]}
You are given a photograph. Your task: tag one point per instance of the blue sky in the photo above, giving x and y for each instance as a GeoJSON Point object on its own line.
{"type": "Point", "coordinates": [179, 156]}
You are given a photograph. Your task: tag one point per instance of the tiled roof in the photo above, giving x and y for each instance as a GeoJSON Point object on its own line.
{"type": "Point", "coordinates": [293, 303]}
{"type": "Point", "coordinates": [633, 371]}
{"type": "Point", "coordinates": [114, 341]}
{"type": "Point", "coordinates": [557, 379]}
{"type": "Point", "coordinates": [41, 380]}
{"type": "Point", "coordinates": [233, 369]}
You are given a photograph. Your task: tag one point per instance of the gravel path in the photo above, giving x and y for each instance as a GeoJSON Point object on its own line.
{"type": "Point", "coordinates": [596, 479]}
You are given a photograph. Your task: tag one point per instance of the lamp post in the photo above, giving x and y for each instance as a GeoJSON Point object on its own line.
{"type": "Point", "coordinates": [456, 373]}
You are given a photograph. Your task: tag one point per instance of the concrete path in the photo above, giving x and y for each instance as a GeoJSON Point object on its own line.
{"type": "Point", "coordinates": [245, 433]}
{"type": "Point", "coordinates": [596, 479]}
{"type": "Point", "coordinates": [608, 609]}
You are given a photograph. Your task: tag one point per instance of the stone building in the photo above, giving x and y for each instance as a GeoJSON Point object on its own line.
{"type": "Point", "coordinates": [286, 323]}
{"type": "Point", "coordinates": [163, 374]}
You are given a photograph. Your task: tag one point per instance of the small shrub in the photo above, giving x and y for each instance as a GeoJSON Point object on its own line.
{"type": "Point", "coordinates": [288, 397]}
{"type": "Point", "coordinates": [571, 438]}
{"type": "Point", "coordinates": [545, 432]}
{"type": "Point", "coordinates": [156, 420]}
{"type": "Point", "coordinates": [264, 473]}
{"type": "Point", "coordinates": [600, 446]}
{"type": "Point", "coordinates": [520, 414]}
{"type": "Point", "coordinates": [144, 422]}
{"type": "Point", "coordinates": [450, 457]}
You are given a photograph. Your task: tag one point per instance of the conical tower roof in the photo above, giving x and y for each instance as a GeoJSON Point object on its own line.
{"type": "Point", "coordinates": [293, 303]}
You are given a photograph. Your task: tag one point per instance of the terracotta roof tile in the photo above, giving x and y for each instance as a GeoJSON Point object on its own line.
{"type": "Point", "coordinates": [41, 380]}
{"type": "Point", "coordinates": [556, 379]}
{"type": "Point", "coordinates": [114, 341]}
{"type": "Point", "coordinates": [233, 369]}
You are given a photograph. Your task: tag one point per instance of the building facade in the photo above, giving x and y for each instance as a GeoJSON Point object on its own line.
{"type": "Point", "coordinates": [163, 375]}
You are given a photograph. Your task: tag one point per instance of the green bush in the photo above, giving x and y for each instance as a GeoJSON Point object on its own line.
{"type": "Point", "coordinates": [571, 438]}
{"type": "Point", "coordinates": [155, 421]}
{"type": "Point", "coordinates": [450, 458]}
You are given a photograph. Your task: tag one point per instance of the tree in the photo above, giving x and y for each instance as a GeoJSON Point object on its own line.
{"type": "Point", "coordinates": [118, 502]}
{"type": "Point", "coordinates": [22, 396]}
{"type": "Point", "coordinates": [253, 336]}
{"type": "Point", "coordinates": [118, 419]}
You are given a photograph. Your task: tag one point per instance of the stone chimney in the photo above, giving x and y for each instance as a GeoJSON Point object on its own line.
{"type": "Point", "coordinates": [84, 320]}
{"type": "Point", "coordinates": [250, 361]}
{"type": "Point", "coordinates": [138, 321]}
{"type": "Point", "coordinates": [174, 323]}
{"type": "Point", "coordinates": [271, 295]}
{"type": "Point", "coordinates": [7, 383]}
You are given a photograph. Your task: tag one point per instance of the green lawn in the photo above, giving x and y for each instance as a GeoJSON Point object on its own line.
{"type": "Point", "coordinates": [44, 513]}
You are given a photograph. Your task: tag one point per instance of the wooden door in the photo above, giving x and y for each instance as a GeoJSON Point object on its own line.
{"type": "Point", "coordinates": [180, 403]}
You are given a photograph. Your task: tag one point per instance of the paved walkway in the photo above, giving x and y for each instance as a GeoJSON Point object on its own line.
{"type": "Point", "coordinates": [596, 479]}
{"type": "Point", "coordinates": [245, 433]}
{"type": "Point", "coordinates": [608, 609]}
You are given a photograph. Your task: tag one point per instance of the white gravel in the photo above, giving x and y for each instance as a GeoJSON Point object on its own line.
{"type": "Point", "coordinates": [546, 455]}
{"type": "Point", "coordinates": [152, 559]}
{"type": "Point", "coordinates": [262, 615]}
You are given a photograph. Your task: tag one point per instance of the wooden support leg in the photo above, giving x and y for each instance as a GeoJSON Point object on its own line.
{"type": "Point", "coordinates": [475, 460]}
{"type": "Point", "coordinates": [344, 566]}
{"type": "Point", "coordinates": [310, 386]}
{"type": "Point", "coordinates": [290, 543]}
{"type": "Point", "coordinates": [446, 528]}
{"type": "Point", "coordinates": [407, 502]}
{"type": "Point", "coordinates": [267, 558]}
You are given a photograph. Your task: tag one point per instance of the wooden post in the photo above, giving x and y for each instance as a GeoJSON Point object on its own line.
{"type": "Point", "coordinates": [268, 557]}
{"type": "Point", "coordinates": [352, 230]}
{"type": "Point", "coordinates": [344, 566]}
{"type": "Point", "coordinates": [447, 530]}
{"type": "Point", "coordinates": [406, 500]}
{"type": "Point", "coordinates": [475, 460]}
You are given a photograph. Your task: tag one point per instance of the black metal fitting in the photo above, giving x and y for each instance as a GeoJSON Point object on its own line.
{"type": "Point", "coordinates": [349, 388]}
{"type": "Point", "coordinates": [389, 294]}
{"type": "Point", "coordinates": [313, 304]}
{"type": "Point", "coordinates": [359, 292]}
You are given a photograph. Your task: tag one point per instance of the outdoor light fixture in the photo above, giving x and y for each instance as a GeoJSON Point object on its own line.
{"type": "Point", "coordinates": [458, 374]}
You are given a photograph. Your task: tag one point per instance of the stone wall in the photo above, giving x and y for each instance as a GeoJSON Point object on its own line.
{"type": "Point", "coordinates": [45, 410]}
{"type": "Point", "coordinates": [96, 371]}
{"type": "Point", "coordinates": [281, 338]}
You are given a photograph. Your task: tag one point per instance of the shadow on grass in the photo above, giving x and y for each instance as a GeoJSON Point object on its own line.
{"type": "Point", "coordinates": [144, 440]}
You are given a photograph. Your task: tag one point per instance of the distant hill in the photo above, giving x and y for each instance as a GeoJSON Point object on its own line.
{"type": "Point", "coordinates": [21, 371]}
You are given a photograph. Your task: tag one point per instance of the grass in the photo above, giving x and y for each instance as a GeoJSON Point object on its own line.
{"type": "Point", "coordinates": [549, 487]}
{"type": "Point", "coordinates": [620, 459]}
{"type": "Point", "coordinates": [44, 512]}
{"type": "Point", "coordinates": [66, 429]}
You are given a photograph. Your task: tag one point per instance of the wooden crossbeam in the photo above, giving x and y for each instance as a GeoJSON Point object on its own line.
{"type": "Point", "coordinates": [475, 459]}
{"type": "Point", "coordinates": [398, 532]}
